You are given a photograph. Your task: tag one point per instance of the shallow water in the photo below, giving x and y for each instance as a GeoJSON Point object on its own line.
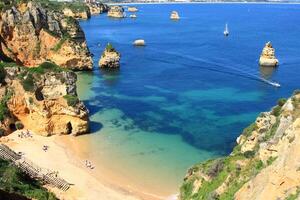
{"type": "Point", "coordinates": [189, 93]}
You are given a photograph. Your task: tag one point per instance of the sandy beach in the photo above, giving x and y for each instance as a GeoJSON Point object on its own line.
{"type": "Point", "coordinates": [70, 165]}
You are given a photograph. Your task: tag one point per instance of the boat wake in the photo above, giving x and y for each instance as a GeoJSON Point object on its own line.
{"type": "Point", "coordinates": [250, 73]}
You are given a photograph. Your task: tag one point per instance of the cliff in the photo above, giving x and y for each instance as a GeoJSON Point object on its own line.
{"type": "Point", "coordinates": [41, 99]}
{"type": "Point", "coordinates": [263, 165]}
{"type": "Point", "coordinates": [97, 8]}
{"type": "Point", "coordinates": [116, 12]}
{"type": "Point", "coordinates": [31, 34]}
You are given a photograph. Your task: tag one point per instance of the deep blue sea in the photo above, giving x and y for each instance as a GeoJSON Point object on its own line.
{"type": "Point", "coordinates": [188, 94]}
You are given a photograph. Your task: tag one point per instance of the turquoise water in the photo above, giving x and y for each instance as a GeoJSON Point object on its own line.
{"type": "Point", "coordinates": [189, 93]}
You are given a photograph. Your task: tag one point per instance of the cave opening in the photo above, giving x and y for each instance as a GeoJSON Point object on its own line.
{"type": "Point", "coordinates": [39, 95]}
{"type": "Point", "coordinates": [69, 128]}
{"type": "Point", "coordinates": [12, 127]}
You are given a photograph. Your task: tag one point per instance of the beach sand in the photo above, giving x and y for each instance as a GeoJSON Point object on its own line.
{"type": "Point", "coordinates": [66, 156]}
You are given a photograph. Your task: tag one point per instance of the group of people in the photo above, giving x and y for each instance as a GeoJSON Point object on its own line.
{"type": "Point", "coordinates": [88, 164]}
{"type": "Point", "coordinates": [25, 134]}
{"type": "Point", "coordinates": [45, 148]}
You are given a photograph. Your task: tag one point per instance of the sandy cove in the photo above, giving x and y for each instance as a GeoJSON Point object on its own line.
{"type": "Point", "coordinates": [60, 157]}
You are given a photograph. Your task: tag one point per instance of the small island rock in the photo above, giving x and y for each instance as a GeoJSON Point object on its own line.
{"type": "Point", "coordinates": [139, 42]}
{"type": "Point", "coordinates": [174, 15]}
{"type": "Point", "coordinates": [132, 9]}
{"type": "Point", "coordinates": [267, 57]}
{"type": "Point", "coordinates": [116, 12]}
{"type": "Point", "coordinates": [110, 58]}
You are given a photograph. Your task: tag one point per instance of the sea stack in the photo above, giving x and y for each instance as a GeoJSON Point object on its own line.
{"type": "Point", "coordinates": [139, 42]}
{"type": "Point", "coordinates": [174, 15]}
{"type": "Point", "coordinates": [116, 12]}
{"type": "Point", "coordinates": [267, 57]}
{"type": "Point", "coordinates": [110, 58]}
{"type": "Point", "coordinates": [132, 9]}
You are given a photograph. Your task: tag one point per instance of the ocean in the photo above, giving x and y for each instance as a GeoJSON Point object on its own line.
{"type": "Point", "coordinates": [187, 95]}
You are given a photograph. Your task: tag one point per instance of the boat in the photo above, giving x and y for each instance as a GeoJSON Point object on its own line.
{"type": "Point", "coordinates": [226, 31]}
{"type": "Point", "coordinates": [275, 84]}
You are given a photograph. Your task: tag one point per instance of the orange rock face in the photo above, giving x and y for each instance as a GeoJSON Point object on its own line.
{"type": "Point", "coordinates": [31, 35]}
{"type": "Point", "coordinates": [45, 108]}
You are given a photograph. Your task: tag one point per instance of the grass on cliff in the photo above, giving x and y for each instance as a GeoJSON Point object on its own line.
{"type": "Point", "coordinates": [4, 112]}
{"type": "Point", "coordinates": [231, 174]}
{"type": "Point", "coordinates": [71, 100]}
{"type": "Point", "coordinates": [14, 181]}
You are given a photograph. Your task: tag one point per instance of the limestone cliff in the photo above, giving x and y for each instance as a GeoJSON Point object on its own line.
{"type": "Point", "coordinates": [116, 12]}
{"type": "Point", "coordinates": [264, 165]}
{"type": "Point", "coordinates": [97, 8]}
{"type": "Point", "coordinates": [267, 57]}
{"type": "Point", "coordinates": [41, 99]}
{"type": "Point", "coordinates": [110, 58]}
{"type": "Point", "coordinates": [31, 35]}
{"type": "Point", "coordinates": [77, 14]}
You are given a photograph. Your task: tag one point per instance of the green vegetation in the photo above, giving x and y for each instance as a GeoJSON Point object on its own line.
{"type": "Point", "coordinates": [109, 48]}
{"type": "Point", "coordinates": [294, 196]}
{"type": "Point", "coordinates": [71, 100]}
{"type": "Point", "coordinates": [19, 125]}
{"type": "Point", "coordinates": [271, 160]}
{"type": "Point", "coordinates": [58, 46]}
{"type": "Point", "coordinates": [272, 131]}
{"type": "Point", "coordinates": [4, 112]}
{"type": "Point", "coordinates": [249, 154]}
{"type": "Point", "coordinates": [28, 82]}
{"type": "Point", "coordinates": [13, 181]}
{"type": "Point", "coordinates": [281, 101]}
{"type": "Point", "coordinates": [247, 131]}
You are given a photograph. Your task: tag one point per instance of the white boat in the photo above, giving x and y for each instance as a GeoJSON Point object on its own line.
{"type": "Point", "coordinates": [275, 84]}
{"type": "Point", "coordinates": [226, 31]}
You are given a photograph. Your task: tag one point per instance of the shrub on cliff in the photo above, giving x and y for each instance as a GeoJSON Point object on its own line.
{"type": "Point", "coordinates": [281, 101]}
{"type": "Point", "coordinates": [19, 125]}
{"type": "Point", "coordinates": [71, 100]}
{"type": "Point", "coordinates": [109, 47]}
{"type": "Point", "coordinates": [3, 105]}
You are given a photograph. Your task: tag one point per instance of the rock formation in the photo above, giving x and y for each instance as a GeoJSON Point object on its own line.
{"type": "Point", "coordinates": [81, 14]}
{"type": "Point", "coordinates": [139, 42]}
{"type": "Point", "coordinates": [116, 12]}
{"type": "Point", "coordinates": [267, 57]}
{"type": "Point", "coordinates": [132, 16]}
{"type": "Point", "coordinates": [263, 165]}
{"type": "Point", "coordinates": [31, 35]}
{"type": "Point", "coordinates": [97, 8]}
{"type": "Point", "coordinates": [174, 15]}
{"type": "Point", "coordinates": [43, 99]}
{"type": "Point", "coordinates": [110, 58]}
{"type": "Point", "coordinates": [132, 9]}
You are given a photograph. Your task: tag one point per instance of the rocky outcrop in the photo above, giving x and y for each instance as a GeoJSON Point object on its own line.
{"type": "Point", "coordinates": [263, 165]}
{"type": "Point", "coordinates": [97, 8]}
{"type": "Point", "coordinates": [31, 35]}
{"type": "Point", "coordinates": [132, 9]}
{"type": "Point", "coordinates": [267, 57]}
{"type": "Point", "coordinates": [116, 12]}
{"type": "Point", "coordinates": [81, 14]}
{"type": "Point", "coordinates": [139, 42]}
{"type": "Point", "coordinates": [174, 15]}
{"type": "Point", "coordinates": [110, 58]}
{"type": "Point", "coordinates": [44, 100]}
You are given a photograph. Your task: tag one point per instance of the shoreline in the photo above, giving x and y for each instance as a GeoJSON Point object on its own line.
{"type": "Point", "coordinates": [187, 3]}
{"type": "Point", "coordinates": [66, 157]}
